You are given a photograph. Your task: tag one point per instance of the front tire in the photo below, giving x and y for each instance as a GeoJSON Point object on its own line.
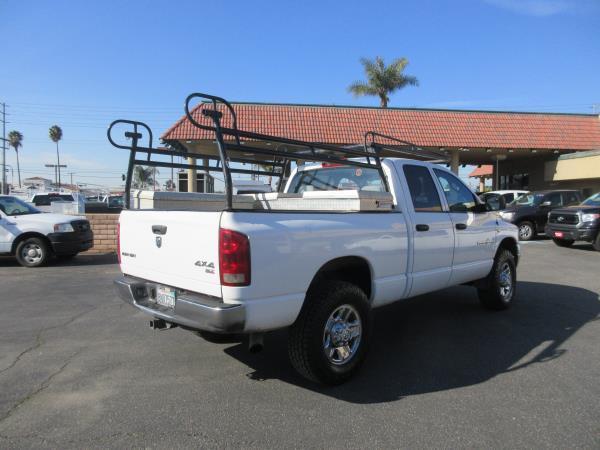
{"type": "Point", "coordinates": [328, 342]}
{"type": "Point", "coordinates": [501, 284]}
{"type": "Point", "coordinates": [32, 252]}
{"type": "Point", "coordinates": [526, 231]}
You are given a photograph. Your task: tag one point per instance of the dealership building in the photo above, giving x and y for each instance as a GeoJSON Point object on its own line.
{"type": "Point", "coordinates": [530, 151]}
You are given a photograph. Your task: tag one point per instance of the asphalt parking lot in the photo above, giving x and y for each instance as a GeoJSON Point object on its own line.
{"type": "Point", "coordinates": [80, 369]}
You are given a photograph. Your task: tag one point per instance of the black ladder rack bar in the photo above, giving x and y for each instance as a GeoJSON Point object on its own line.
{"type": "Point", "coordinates": [275, 162]}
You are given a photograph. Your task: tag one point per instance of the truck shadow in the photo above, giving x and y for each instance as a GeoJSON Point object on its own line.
{"type": "Point", "coordinates": [444, 341]}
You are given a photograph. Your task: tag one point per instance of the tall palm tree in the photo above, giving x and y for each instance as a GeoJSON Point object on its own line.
{"type": "Point", "coordinates": [143, 176]}
{"type": "Point", "coordinates": [383, 80]}
{"type": "Point", "coordinates": [56, 134]}
{"type": "Point", "coordinates": [15, 140]}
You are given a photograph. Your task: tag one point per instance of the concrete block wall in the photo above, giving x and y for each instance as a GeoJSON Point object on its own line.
{"type": "Point", "coordinates": [104, 227]}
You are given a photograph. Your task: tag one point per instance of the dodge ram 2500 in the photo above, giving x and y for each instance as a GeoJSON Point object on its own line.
{"type": "Point", "coordinates": [318, 272]}
{"type": "Point", "coordinates": [353, 230]}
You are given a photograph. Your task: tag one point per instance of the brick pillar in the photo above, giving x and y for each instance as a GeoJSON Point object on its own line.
{"type": "Point", "coordinates": [192, 176]}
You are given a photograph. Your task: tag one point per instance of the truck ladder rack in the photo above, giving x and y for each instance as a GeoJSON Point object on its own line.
{"type": "Point", "coordinates": [240, 146]}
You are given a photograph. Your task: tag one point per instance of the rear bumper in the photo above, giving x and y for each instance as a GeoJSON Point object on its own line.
{"type": "Point", "coordinates": [193, 311]}
{"type": "Point", "coordinates": [572, 233]}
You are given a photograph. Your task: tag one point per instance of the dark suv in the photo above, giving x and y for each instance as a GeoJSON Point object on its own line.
{"type": "Point", "coordinates": [576, 223]}
{"type": "Point", "coordinates": [530, 211]}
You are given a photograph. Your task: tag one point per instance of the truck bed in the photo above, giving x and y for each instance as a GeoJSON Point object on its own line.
{"type": "Point", "coordinates": [334, 201]}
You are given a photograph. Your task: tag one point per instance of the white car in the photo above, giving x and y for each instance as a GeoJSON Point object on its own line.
{"type": "Point", "coordinates": [310, 265]}
{"type": "Point", "coordinates": [498, 200]}
{"type": "Point", "coordinates": [33, 236]}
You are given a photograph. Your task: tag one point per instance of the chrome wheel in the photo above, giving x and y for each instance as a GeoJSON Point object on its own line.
{"type": "Point", "coordinates": [506, 282]}
{"type": "Point", "coordinates": [525, 232]}
{"type": "Point", "coordinates": [342, 334]}
{"type": "Point", "coordinates": [32, 253]}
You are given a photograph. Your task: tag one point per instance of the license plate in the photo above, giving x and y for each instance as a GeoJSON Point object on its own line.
{"type": "Point", "coordinates": [165, 296]}
{"type": "Point", "coordinates": [558, 234]}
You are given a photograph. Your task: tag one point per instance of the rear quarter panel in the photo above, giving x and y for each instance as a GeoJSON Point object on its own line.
{"type": "Point", "coordinates": [288, 249]}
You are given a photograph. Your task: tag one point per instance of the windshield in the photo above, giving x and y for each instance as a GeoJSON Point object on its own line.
{"type": "Point", "coordinates": [527, 200]}
{"type": "Point", "coordinates": [594, 200]}
{"type": "Point", "coordinates": [337, 178]}
{"type": "Point", "coordinates": [12, 206]}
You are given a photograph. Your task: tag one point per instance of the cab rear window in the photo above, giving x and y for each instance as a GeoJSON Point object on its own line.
{"type": "Point", "coordinates": [47, 199]}
{"type": "Point", "coordinates": [337, 178]}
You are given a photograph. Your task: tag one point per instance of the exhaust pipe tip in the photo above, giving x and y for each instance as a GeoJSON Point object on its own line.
{"type": "Point", "coordinates": [161, 324]}
{"type": "Point", "coordinates": [256, 342]}
{"type": "Point", "coordinates": [256, 348]}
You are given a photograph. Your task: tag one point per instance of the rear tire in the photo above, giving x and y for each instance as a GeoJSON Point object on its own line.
{"type": "Point", "coordinates": [563, 242]}
{"type": "Point", "coordinates": [501, 283]}
{"type": "Point", "coordinates": [526, 231]}
{"type": "Point", "coordinates": [32, 252]}
{"type": "Point", "coordinates": [328, 342]}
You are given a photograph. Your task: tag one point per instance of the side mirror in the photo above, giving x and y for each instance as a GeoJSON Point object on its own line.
{"type": "Point", "coordinates": [546, 203]}
{"type": "Point", "coordinates": [480, 208]}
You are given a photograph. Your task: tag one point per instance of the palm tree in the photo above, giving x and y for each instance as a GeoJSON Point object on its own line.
{"type": "Point", "coordinates": [56, 134]}
{"type": "Point", "coordinates": [143, 176]}
{"type": "Point", "coordinates": [383, 80]}
{"type": "Point", "coordinates": [15, 140]}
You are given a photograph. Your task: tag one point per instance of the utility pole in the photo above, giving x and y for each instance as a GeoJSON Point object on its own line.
{"type": "Point", "coordinates": [4, 190]}
{"type": "Point", "coordinates": [56, 169]}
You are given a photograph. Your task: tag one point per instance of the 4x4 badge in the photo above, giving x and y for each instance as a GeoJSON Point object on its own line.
{"type": "Point", "coordinates": [209, 266]}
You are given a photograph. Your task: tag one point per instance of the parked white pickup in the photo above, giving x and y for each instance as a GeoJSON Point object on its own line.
{"type": "Point", "coordinates": [283, 263]}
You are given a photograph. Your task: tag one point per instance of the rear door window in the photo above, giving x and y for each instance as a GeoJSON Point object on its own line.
{"type": "Point", "coordinates": [422, 189]}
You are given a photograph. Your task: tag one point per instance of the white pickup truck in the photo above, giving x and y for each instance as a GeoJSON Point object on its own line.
{"type": "Point", "coordinates": [33, 236]}
{"type": "Point", "coordinates": [320, 271]}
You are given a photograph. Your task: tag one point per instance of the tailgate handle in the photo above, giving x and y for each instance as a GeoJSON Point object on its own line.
{"type": "Point", "coordinates": [159, 229]}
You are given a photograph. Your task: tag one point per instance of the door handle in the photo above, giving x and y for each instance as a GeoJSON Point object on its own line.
{"type": "Point", "coordinates": [159, 229]}
{"type": "Point", "coordinates": [461, 226]}
{"type": "Point", "coordinates": [422, 227]}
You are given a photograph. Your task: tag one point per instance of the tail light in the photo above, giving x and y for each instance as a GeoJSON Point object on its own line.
{"type": "Point", "coordinates": [119, 241]}
{"type": "Point", "coordinates": [234, 258]}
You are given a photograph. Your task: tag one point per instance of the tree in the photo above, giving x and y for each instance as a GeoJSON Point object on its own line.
{"type": "Point", "coordinates": [56, 134]}
{"type": "Point", "coordinates": [382, 80]}
{"type": "Point", "coordinates": [143, 177]}
{"type": "Point", "coordinates": [15, 140]}
{"type": "Point", "coordinates": [169, 185]}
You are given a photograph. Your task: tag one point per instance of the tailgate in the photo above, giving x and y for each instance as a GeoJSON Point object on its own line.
{"type": "Point", "coordinates": [175, 248]}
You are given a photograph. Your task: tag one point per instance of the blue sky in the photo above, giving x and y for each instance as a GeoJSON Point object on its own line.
{"type": "Point", "coordinates": [82, 64]}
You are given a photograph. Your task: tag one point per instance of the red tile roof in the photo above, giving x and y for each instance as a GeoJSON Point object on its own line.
{"type": "Point", "coordinates": [483, 171]}
{"type": "Point", "coordinates": [424, 127]}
